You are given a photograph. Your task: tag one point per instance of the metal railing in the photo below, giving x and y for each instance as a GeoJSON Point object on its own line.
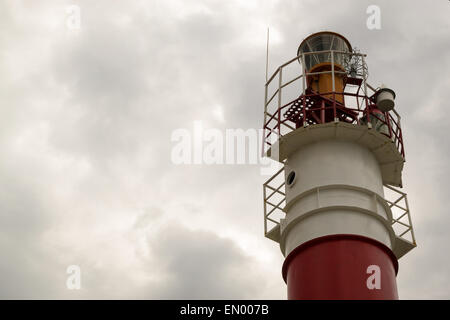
{"type": "Point", "coordinates": [282, 115]}
{"type": "Point", "coordinates": [401, 217]}
{"type": "Point", "coordinates": [275, 201]}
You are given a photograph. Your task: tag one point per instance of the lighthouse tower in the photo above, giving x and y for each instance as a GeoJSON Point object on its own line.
{"type": "Point", "coordinates": [334, 207]}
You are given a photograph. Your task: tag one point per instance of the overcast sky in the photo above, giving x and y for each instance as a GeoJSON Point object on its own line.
{"type": "Point", "coordinates": [86, 118]}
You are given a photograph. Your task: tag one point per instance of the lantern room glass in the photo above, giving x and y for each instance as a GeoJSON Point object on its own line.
{"type": "Point", "coordinates": [323, 42]}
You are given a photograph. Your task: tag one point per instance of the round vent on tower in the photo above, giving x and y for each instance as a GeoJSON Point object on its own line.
{"type": "Point", "coordinates": [290, 180]}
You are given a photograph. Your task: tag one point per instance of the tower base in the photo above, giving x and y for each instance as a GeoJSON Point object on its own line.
{"type": "Point", "coordinates": [335, 267]}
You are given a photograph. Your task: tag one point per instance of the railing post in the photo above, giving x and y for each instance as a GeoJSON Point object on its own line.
{"type": "Point", "coordinates": [322, 112]}
{"type": "Point", "coordinates": [387, 116]}
{"type": "Point", "coordinates": [401, 143]}
{"type": "Point", "coordinates": [304, 88]}
{"type": "Point", "coordinates": [265, 209]}
{"type": "Point", "coordinates": [366, 99]}
{"type": "Point", "coordinates": [332, 71]}
{"type": "Point", "coordinates": [333, 86]}
{"type": "Point", "coordinates": [400, 135]}
{"type": "Point", "coordinates": [410, 222]}
{"type": "Point", "coordinates": [265, 118]}
{"type": "Point", "coordinates": [364, 75]}
{"type": "Point", "coordinates": [280, 80]}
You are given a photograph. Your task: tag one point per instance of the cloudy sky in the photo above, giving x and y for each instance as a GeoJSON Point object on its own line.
{"type": "Point", "coordinates": [87, 115]}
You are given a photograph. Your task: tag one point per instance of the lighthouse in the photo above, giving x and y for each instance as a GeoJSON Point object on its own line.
{"type": "Point", "coordinates": [335, 207]}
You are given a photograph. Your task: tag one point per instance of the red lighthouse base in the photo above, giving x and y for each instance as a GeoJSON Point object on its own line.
{"type": "Point", "coordinates": [336, 267]}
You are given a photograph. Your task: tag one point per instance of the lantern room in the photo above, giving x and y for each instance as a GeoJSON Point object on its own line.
{"type": "Point", "coordinates": [324, 54]}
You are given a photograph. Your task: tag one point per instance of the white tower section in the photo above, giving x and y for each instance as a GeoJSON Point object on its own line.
{"type": "Point", "coordinates": [334, 184]}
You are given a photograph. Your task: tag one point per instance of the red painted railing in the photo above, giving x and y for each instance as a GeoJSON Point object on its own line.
{"type": "Point", "coordinates": [318, 108]}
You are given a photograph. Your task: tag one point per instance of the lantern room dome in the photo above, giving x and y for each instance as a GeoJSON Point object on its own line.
{"type": "Point", "coordinates": [323, 41]}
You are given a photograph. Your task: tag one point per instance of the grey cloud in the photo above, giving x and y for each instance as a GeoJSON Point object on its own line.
{"type": "Point", "coordinates": [86, 122]}
{"type": "Point", "coordinates": [201, 265]}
